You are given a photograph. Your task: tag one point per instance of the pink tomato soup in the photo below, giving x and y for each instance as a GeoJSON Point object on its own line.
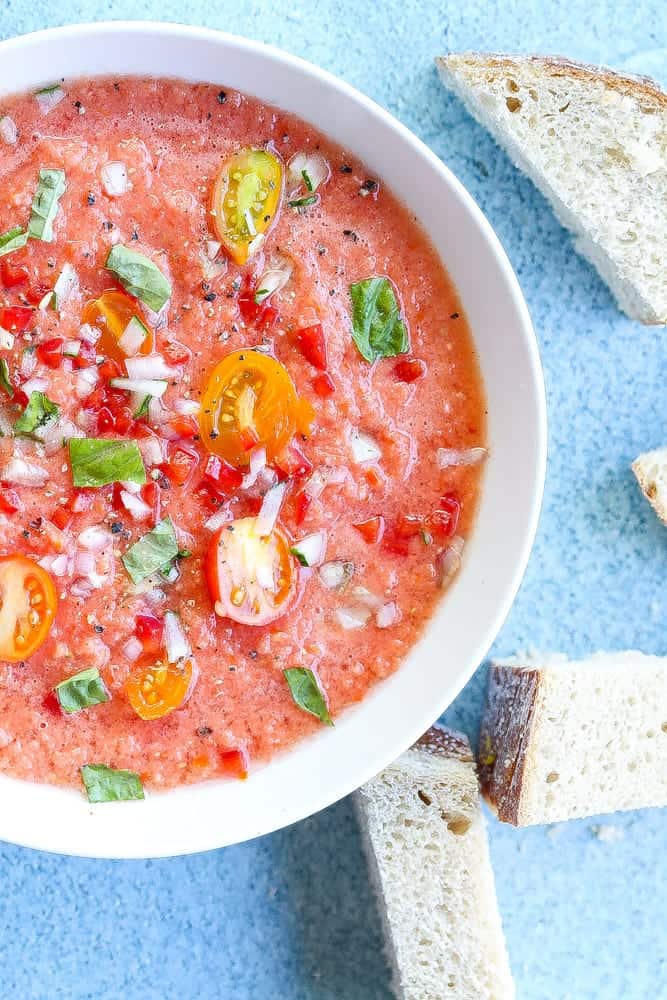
{"type": "Point", "coordinates": [383, 467]}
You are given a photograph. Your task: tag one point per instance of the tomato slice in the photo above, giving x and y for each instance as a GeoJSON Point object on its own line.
{"type": "Point", "coordinates": [111, 314]}
{"type": "Point", "coordinates": [28, 603]}
{"type": "Point", "coordinates": [250, 399]}
{"type": "Point", "coordinates": [250, 577]}
{"type": "Point", "coordinates": [158, 689]}
{"type": "Point", "coordinates": [245, 200]}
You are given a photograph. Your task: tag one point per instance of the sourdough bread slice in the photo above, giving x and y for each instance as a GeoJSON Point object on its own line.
{"type": "Point", "coordinates": [595, 143]}
{"type": "Point", "coordinates": [561, 739]}
{"type": "Point", "coordinates": [428, 854]}
{"type": "Point", "coordinates": [651, 472]}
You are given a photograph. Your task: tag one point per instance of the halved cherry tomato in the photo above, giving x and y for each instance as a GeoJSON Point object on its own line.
{"type": "Point", "coordinates": [372, 529]}
{"type": "Point", "coordinates": [148, 629]}
{"type": "Point", "coordinates": [17, 319]}
{"type": "Point", "coordinates": [245, 200]}
{"type": "Point", "coordinates": [250, 399]}
{"type": "Point", "coordinates": [310, 341]}
{"type": "Point", "coordinates": [28, 603]}
{"type": "Point", "coordinates": [155, 691]}
{"type": "Point", "coordinates": [250, 577]}
{"type": "Point", "coordinates": [111, 314]}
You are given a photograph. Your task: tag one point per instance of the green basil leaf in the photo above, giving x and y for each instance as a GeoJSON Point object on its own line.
{"type": "Point", "coordinates": [45, 204]}
{"type": "Point", "coordinates": [307, 694]}
{"type": "Point", "coordinates": [139, 276]}
{"type": "Point", "coordinates": [98, 461]}
{"type": "Point", "coordinates": [39, 411]}
{"type": "Point", "coordinates": [81, 690]}
{"type": "Point", "coordinates": [5, 381]}
{"type": "Point", "coordinates": [13, 239]}
{"type": "Point", "coordinates": [152, 552]}
{"type": "Point", "coordinates": [104, 784]}
{"type": "Point", "coordinates": [378, 328]}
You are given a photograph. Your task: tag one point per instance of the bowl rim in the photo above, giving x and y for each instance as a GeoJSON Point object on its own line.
{"type": "Point", "coordinates": [40, 836]}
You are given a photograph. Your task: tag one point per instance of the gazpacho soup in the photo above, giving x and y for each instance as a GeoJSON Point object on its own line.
{"type": "Point", "coordinates": [243, 431]}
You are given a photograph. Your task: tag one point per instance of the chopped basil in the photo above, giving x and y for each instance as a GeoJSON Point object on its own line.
{"type": "Point", "coordinates": [4, 378]}
{"type": "Point", "coordinates": [39, 411]}
{"type": "Point", "coordinates": [153, 552]}
{"type": "Point", "coordinates": [307, 694]}
{"type": "Point", "coordinates": [311, 199]}
{"type": "Point", "coordinates": [139, 276]}
{"type": "Point", "coordinates": [81, 690]}
{"type": "Point", "coordinates": [306, 180]}
{"type": "Point", "coordinates": [98, 461]}
{"type": "Point", "coordinates": [378, 328]}
{"type": "Point", "coordinates": [142, 411]}
{"type": "Point", "coordinates": [45, 204]}
{"type": "Point", "coordinates": [13, 239]}
{"type": "Point", "coordinates": [104, 784]}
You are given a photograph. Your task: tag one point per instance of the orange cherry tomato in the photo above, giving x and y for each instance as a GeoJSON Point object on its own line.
{"type": "Point", "coordinates": [245, 201]}
{"type": "Point", "coordinates": [158, 689]}
{"type": "Point", "coordinates": [250, 400]}
{"type": "Point", "coordinates": [111, 314]}
{"type": "Point", "coordinates": [28, 603]}
{"type": "Point", "coordinates": [250, 577]}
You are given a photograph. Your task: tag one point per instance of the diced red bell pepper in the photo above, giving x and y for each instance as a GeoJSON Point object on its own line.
{"type": "Point", "coordinates": [175, 353]}
{"type": "Point", "coordinates": [36, 293]}
{"type": "Point", "coordinates": [394, 542]}
{"type": "Point", "coordinates": [12, 274]}
{"type": "Point", "coordinates": [445, 520]}
{"type": "Point", "coordinates": [149, 629]}
{"type": "Point", "coordinates": [180, 464]}
{"type": "Point", "coordinates": [323, 385]}
{"type": "Point", "coordinates": [86, 356]}
{"type": "Point", "coordinates": [50, 352]}
{"type": "Point", "coordinates": [62, 517]}
{"type": "Point", "coordinates": [151, 494]}
{"type": "Point", "coordinates": [409, 525]}
{"type": "Point", "coordinates": [51, 704]}
{"type": "Point", "coordinates": [233, 763]}
{"type": "Point", "coordinates": [372, 529]}
{"type": "Point", "coordinates": [17, 319]}
{"type": "Point", "coordinates": [105, 420]}
{"type": "Point", "coordinates": [302, 502]}
{"type": "Point", "coordinates": [261, 315]}
{"type": "Point", "coordinates": [10, 502]}
{"type": "Point", "coordinates": [82, 500]}
{"type": "Point", "coordinates": [311, 343]}
{"type": "Point", "coordinates": [249, 438]}
{"type": "Point", "coordinates": [292, 463]}
{"type": "Point", "coordinates": [220, 476]}
{"type": "Point", "coordinates": [182, 426]}
{"type": "Point", "coordinates": [410, 369]}
{"type": "Point", "coordinates": [109, 369]}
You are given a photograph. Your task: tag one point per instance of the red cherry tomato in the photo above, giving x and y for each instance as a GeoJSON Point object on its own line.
{"type": "Point", "coordinates": [50, 352]}
{"type": "Point", "coordinates": [311, 343]}
{"type": "Point", "coordinates": [17, 319]}
{"type": "Point", "coordinates": [323, 385]}
{"type": "Point", "coordinates": [372, 529]}
{"type": "Point", "coordinates": [12, 274]}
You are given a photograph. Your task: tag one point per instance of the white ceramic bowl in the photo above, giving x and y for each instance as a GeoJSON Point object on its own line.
{"type": "Point", "coordinates": [367, 737]}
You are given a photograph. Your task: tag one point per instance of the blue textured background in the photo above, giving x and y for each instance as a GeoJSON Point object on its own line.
{"type": "Point", "coordinates": [291, 917]}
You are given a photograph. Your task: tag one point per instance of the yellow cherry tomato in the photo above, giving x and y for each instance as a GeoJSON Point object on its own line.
{"type": "Point", "coordinates": [250, 400]}
{"type": "Point", "coordinates": [158, 689]}
{"type": "Point", "coordinates": [111, 314]}
{"type": "Point", "coordinates": [245, 200]}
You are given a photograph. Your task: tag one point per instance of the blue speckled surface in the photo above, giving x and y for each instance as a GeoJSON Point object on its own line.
{"type": "Point", "coordinates": [291, 917]}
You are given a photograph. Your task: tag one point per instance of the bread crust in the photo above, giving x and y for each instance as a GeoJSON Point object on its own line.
{"type": "Point", "coordinates": [505, 735]}
{"type": "Point", "coordinates": [625, 83]}
{"type": "Point", "coordinates": [446, 743]}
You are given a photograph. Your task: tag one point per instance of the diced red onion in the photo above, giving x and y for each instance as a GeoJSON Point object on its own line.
{"type": "Point", "coordinates": [350, 618]}
{"type": "Point", "coordinates": [66, 285]}
{"type": "Point", "coordinates": [6, 425]}
{"type": "Point", "coordinates": [448, 562]}
{"type": "Point", "coordinates": [315, 166]}
{"type": "Point", "coordinates": [23, 473]}
{"type": "Point", "coordinates": [274, 277]}
{"type": "Point", "coordinates": [35, 385]}
{"type": "Point", "coordinates": [336, 575]}
{"type": "Point", "coordinates": [175, 639]}
{"type": "Point", "coordinates": [8, 130]}
{"type": "Point", "coordinates": [256, 464]}
{"type": "Point", "coordinates": [85, 382]}
{"type": "Point", "coordinates": [6, 339]}
{"type": "Point", "coordinates": [56, 565]}
{"type": "Point", "coordinates": [217, 520]}
{"type": "Point", "coordinates": [28, 363]}
{"type": "Point", "coordinates": [132, 338]}
{"type": "Point", "coordinates": [133, 649]}
{"type": "Point", "coordinates": [49, 99]}
{"type": "Point", "coordinates": [150, 366]}
{"type": "Point", "coordinates": [114, 178]}
{"type": "Point", "coordinates": [157, 412]}
{"type": "Point", "coordinates": [84, 563]}
{"type": "Point", "coordinates": [95, 538]}
{"type": "Point", "coordinates": [364, 448]}
{"type": "Point", "coordinates": [448, 457]}
{"type": "Point", "coordinates": [387, 615]}
{"type": "Point", "coordinates": [151, 450]}
{"type": "Point", "coordinates": [313, 547]}
{"type": "Point", "coordinates": [270, 509]}
{"type": "Point", "coordinates": [136, 507]}
{"type": "Point", "coordinates": [364, 597]}
{"type": "Point", "coordinates": [91, 334]}
{"type": "Point", "coordinates": [187, 407]}
{"type": "Point", "coordinates": [130, 487]}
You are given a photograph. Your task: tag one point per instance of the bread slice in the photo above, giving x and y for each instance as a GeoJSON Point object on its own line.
{"type": "Point", "coordinates": [595, 143]}
{"type": "Point", "coordinates": [561, 739]}
{"type": "Point", "coordinates": [651, 472]}
{"type": "Point", "coordinates": [426, 843]}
